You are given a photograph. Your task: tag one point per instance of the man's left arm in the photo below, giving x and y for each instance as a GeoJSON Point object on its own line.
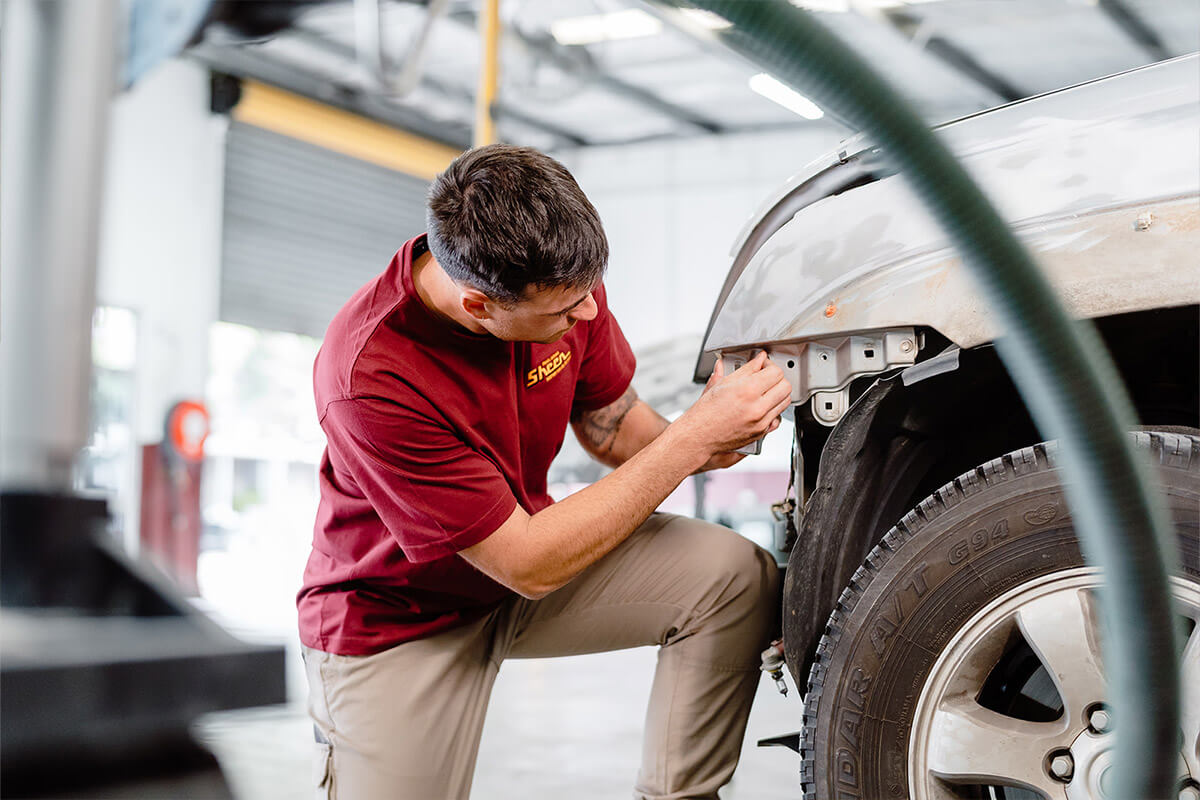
{"type": "Point", "coordinates": [612, 434]}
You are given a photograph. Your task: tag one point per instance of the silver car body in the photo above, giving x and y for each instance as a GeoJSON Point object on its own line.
{"type": "Point", "coordinates": [1101, 181]}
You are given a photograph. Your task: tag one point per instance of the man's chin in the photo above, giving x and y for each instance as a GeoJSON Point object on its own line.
{"type": "Point", "coordinates": [556, 336]}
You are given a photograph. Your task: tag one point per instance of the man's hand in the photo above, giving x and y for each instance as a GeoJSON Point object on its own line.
{"type": "Point", "coordinates": [737, 409]}
{"type": "Point", "coordinates": [721, 461]}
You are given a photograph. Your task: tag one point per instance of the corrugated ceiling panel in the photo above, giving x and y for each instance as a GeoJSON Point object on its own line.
{"type": "Point", "coordinates": [305, 228]}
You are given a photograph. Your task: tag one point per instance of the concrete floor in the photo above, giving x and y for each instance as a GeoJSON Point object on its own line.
{"type": "Point", "coordinates": [568, 727]}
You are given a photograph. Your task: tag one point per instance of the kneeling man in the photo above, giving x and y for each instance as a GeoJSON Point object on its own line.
{"type": "Point", "coordinates": [445, 387]}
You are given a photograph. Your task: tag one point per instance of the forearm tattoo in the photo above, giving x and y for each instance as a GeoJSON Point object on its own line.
{"type": "Point", "coordinates": [599, 427]}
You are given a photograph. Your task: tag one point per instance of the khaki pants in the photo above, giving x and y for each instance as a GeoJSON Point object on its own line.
{"type": "Point", "coordinates": [406, 723]}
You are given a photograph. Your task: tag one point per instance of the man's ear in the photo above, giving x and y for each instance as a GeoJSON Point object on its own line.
{"type": "Point", "coordinates": [476, 303]}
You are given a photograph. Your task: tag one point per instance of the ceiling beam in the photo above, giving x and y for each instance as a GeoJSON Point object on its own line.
{"type": "Point", "coordinates": [500, 109]}
{"type": "Point", "coordinates": [953, 56]}
{"type": "Point", "coordinates": [507, 112]}
{"type": "Point", "coordinates": [1133, 26]}
{"type": "Point", "coordinates": [584, 68]}
{"type": "Point", "coordinates": [246, 62]}
{"type": "Point", "coordinates": [322, 125]}
{"type": "Point", "coordinates": [611, 83]}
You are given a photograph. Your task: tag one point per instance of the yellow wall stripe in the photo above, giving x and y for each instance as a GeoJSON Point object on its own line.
{"type": "Point", "coordinates": [342, 131]}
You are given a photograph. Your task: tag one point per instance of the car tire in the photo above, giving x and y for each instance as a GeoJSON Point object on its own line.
{"type": "Point", "coordinates": [985, 538]}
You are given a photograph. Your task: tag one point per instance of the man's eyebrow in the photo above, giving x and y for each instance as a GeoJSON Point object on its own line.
{"type": "Point", "coordinates": [568, 308]}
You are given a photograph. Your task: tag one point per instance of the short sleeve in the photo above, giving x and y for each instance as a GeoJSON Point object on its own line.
{"type": "Point", "coordinates": [434, 494]}
{"type": "Point", "coordinates": [608, 364]}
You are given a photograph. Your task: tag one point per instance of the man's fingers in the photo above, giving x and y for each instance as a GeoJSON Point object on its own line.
{"type": "Point", "coordinates": [755, 364]}
{"type": "Point", "coordinates": [758, 373]}
{"type": "Point", "coordinates": [782, 405]}
{"type": "Point", "coordinates": [718, 371]}
{"type": "Point", "coordinates": [775, 410]}
{"type": "Point", "coordinates": [780, 392]}
{"type": "Point", "coordinates": [717, 374]}
{"type": "Point", "coordinates": [759, 359]}
{"type": "Point", "coordinates": [765, 378]}
{"type": "Point", "coordinates": [723, 460]}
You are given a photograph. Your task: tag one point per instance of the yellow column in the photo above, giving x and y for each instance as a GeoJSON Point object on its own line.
{"type": "Point", "coordinates": [489, 72]}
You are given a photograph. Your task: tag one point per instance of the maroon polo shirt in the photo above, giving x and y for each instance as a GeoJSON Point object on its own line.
{"type": "Point", "coordinates": [434, 435]}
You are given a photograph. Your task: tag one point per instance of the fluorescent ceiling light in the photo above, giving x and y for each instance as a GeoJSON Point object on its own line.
{"type": "Point", "coordinates": [628, 24]}
{"type": "Point", "coordinates": [705, 19]}
{"type": "Point", "coordinates": [787, 97]}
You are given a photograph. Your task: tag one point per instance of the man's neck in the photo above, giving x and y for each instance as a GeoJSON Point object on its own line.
{"type": "Point", "coordinates": [440, 294]}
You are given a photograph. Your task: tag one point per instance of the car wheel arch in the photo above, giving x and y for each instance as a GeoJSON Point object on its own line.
{"type": "Point", "coordinates": [909, 436]}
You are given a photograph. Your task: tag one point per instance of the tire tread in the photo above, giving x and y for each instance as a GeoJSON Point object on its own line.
{"type": "Point", "coordinates": [1168, 450]}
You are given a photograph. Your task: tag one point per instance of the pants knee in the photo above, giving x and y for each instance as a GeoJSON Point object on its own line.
{"type": "Point", "coordinates": [761, 579]}
{"type": "Point", "coordinates": [744, 576]}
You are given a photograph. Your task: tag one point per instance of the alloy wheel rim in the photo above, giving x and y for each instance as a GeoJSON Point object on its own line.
{"type": "Point", "coordinates": [957, 741]}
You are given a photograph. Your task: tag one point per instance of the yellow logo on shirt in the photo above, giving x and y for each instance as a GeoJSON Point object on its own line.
{"type": "Point", "coordinates": [548, 368]}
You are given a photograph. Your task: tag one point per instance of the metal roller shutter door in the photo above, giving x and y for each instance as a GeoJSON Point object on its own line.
{"type": "Point", "coordinates": [305, 228]}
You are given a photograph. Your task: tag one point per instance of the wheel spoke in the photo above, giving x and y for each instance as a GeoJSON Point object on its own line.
{"type": "Point", "coordinates": [970, 744]}
{"type": "Point", "coordinates": [1061, 628]}
{"type": "Point", "coordinates": [1190, 684]}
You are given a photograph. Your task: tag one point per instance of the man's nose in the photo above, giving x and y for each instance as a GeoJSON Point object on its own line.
{"type": "Point", "coordinates": [587, 310]}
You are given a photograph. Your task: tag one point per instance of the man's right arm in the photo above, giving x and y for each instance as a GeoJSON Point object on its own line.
{"type": "Point", "coordinates": [534, 555]}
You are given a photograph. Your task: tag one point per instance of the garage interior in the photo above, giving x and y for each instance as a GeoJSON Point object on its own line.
{"type": "Point", "coordinates": [258, 165]}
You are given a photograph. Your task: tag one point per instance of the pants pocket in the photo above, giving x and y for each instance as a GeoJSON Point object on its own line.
{"type": "Point", "coordinates": [322, 771]}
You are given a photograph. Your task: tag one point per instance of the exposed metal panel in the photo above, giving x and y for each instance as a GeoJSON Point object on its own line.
{"type": "Point", "coordinates": [305, 228]}
{"type": "Point", "coordinates": [1086, 177]}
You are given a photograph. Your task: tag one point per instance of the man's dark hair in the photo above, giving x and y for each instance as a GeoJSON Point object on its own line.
{"type": "Point", "coordinates": [502, 218]}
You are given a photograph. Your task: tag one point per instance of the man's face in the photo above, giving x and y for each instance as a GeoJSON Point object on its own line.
{"type": "Point", "coordinates": [545, 315]}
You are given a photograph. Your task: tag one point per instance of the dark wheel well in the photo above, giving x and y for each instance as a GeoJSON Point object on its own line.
{"type": "Point", "coordinates": [899, 443]}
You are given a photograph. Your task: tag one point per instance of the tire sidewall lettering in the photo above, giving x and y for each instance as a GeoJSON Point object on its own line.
{"type": "Point", "coordinates": [978, 539]}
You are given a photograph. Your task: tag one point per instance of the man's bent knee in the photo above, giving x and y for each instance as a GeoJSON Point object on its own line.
{"type": "Point", "coordinates": [738, 580]}
{"type": "Point", "coordinates": [734, 561]}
